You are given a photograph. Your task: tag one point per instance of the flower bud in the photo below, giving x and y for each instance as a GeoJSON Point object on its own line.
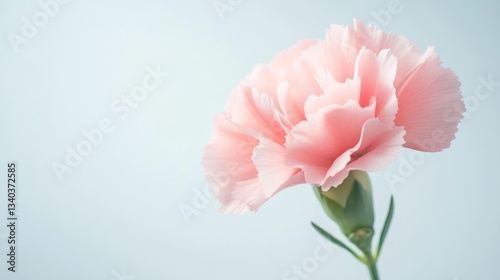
{"type": "Point", "coordinates": [350, 205]}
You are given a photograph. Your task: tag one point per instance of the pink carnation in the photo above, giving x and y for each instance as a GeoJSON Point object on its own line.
{"type": "Point", "coordinates": [323, 108]}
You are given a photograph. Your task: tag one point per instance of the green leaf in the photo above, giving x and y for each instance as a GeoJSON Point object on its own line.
{"type": "Point", "coordinates": [334, 240]}
{"type": "Point", "coordinates": [385, 230]}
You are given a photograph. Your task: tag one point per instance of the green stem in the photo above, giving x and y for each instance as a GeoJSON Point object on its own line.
{"type": "Point", "coordinates": [372, 266]}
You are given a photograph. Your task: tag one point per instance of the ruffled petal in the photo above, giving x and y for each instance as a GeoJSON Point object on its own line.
{"type": "Point", "coordinates": [285, 59]}
{"type": "Point", "coordinates": [319, 142]}
{"type": "Point", "coordinates": [424, 97]}
{"type": "Point", "coordinates": [290, 108]}
{"type": "Point", "coordinates": [227, 159]}
{"type": "Point", "coordinates": [378, 146]}
{"type": "Point", "coordinates": [249, 193]}
{"type": "Point", "coordinates": [425, 90]}
{"type": "Point", "coordinates": [335, 56]}
{"type": "Point", "coordinates": [256, 112]}
{"type": "Point", "coordinates": [263, 80]}
{"type": "Point", "coordinates": [269, 159]}
{"type": "Point", "coordinates": [338, 93]}
{"type": "Point", "coordinates": [377, 75]}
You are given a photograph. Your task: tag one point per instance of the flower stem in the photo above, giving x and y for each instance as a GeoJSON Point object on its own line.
{"type": "Point", "coordinates": [372, 266]}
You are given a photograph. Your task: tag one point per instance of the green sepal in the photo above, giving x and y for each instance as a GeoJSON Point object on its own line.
{"type": "Point", "coordinates": [331, 208]}
{"type": "Point", "coordinates": [358, 212]}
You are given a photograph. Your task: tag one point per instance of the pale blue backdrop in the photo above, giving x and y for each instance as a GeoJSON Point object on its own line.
{"type": "Point", "coordinates": [68, 68]}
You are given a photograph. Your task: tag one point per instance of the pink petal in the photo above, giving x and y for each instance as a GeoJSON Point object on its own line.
{"type": "Point", "coordinates": [286, 58]}
{"type": "Point", "coordinates": [302, 83]}
{"type": "Point", "coordinates": [254, 111]}
{"type": "Point", "coordinates": [377, 75]}
{"type": "Point", "coordinates": [298, 81]}
{"type": "Point", "coordinates": [425, 90]}
{"type": "Point", "coordinates": [227, 158]}
{"type": "Point", "coordinates": [269, 159]}
{"type": "Point", "coordinates": [372, 82]}
{"type": "Point", "coordinates": [319, 142]}
{"type": "Point", "coordinates": [337, 139]}
{"type": "Point", "coordinates": [377, 40]}
{"type": "Point", "coordinates": [378, 146]}
{"type": "Point", "coordinates": [263, 80]}
{"type": "Point", "coordinates": [425, 96]}
{"type": "Point", "coordinates": [336, 55]}
{"type": "Point", "coordinates": [249, 193]}
{"type": "Point", "coordinates": [291, 111]}
{"type": "Point", "coordinates": [338, 93]}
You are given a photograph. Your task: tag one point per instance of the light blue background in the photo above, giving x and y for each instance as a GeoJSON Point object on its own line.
{"type": "Point", "coordinates": [118, 211]}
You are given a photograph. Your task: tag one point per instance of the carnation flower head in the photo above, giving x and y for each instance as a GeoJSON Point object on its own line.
{"type": "Point", "coordinates": [325, 107]}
